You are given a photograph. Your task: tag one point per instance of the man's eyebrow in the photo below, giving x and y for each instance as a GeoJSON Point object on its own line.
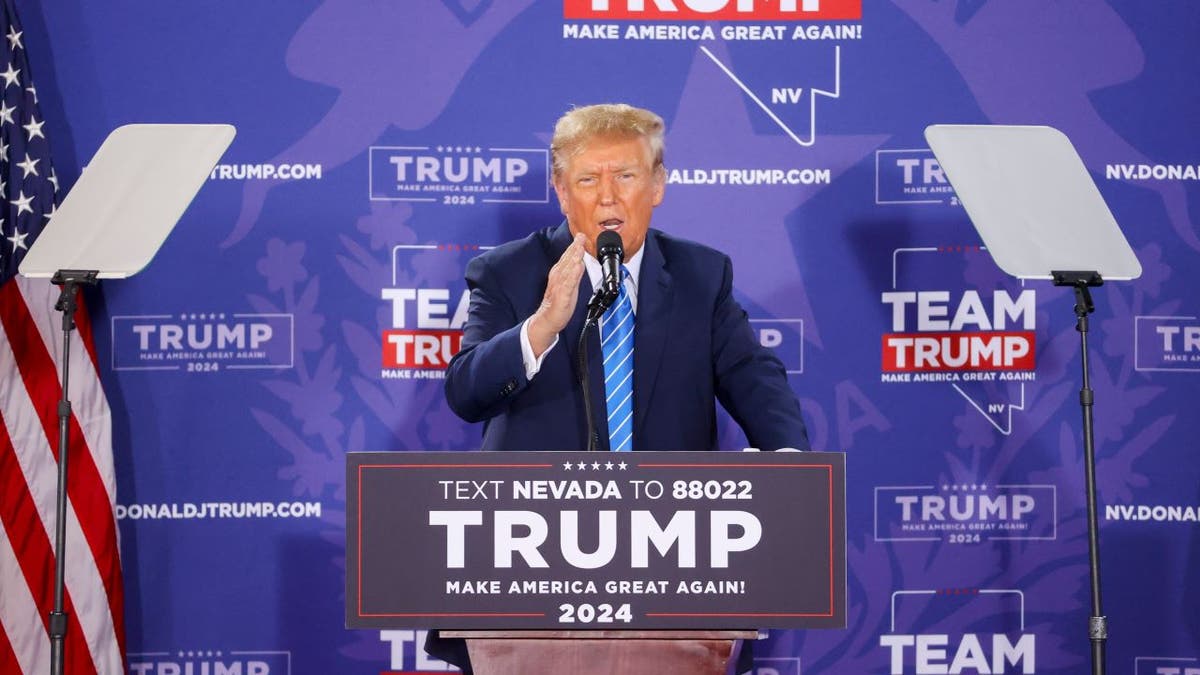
{"type": "Point", "coordinates": [596, 168]}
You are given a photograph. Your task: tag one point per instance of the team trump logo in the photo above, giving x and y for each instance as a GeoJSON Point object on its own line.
{"type": "Point", "coordinates": [710, 10]}
{"type": "Point", "coordinates": [935, 331]}
{"type": "Point", "coordinates": [998, 641]}
{"type": "Point", "coordinates": [981, 342]}
{"type": "Point", "coordinates": [426, 327]}
{"type": "Point", "coordinates": [426, 321]}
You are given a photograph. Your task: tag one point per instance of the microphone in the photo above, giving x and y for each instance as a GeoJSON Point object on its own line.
{"type": "Point", "coordinates": [611, 253]}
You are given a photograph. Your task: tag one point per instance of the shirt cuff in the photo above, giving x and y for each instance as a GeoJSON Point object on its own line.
{"type": "Point", "coordinates": [532, 364]}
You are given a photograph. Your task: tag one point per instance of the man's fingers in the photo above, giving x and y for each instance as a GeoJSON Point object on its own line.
{"type": "Point", "coordinates": [569, 267]}
{"type": "Point", "coordinates": [574, 252]}
{"type": "Point", "coordinates": [562, 283]}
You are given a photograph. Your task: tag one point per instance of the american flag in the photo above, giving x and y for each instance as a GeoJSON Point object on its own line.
{"type": "Point", "coordinates": [30, 364]}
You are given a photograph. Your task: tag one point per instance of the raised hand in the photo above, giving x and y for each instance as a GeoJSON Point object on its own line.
{"type": "Point", "coordinates": [562, 294]}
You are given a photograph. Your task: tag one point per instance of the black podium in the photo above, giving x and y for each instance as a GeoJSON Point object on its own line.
{"type": "Point", "coordinates": [650, 562]}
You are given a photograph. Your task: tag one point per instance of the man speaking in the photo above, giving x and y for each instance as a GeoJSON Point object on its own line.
{"type": "Point", "coordinates": [671, 340]}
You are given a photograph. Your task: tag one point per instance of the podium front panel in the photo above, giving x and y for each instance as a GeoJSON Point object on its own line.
{"type": "Point", "coordinates": [579, 541]}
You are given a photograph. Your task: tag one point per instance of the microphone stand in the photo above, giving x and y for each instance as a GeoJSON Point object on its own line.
{"type": "Point", "coordinates": [610, 253]}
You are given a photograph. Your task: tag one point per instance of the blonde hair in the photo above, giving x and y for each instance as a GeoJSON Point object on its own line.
{"type": "Point", "coordinates": [613, 120]}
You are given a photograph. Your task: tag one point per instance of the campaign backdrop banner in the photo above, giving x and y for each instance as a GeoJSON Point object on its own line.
{"type": "Point", "coordinates": [307, 303]}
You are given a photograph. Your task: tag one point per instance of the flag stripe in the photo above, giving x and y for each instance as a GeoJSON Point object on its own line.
{"type": "Point", "coordinates": [18, 514]}
{"type": "Point", "coordinates": [88, 405]}
{"type": "Point", "coordinates": [35, 555]}
{"type": "Point", "coordinates": [32, 484]}
{"type": "Point", "coordinates": [38, 464]}
{"type": "Point", "coordinates": [40, 374]}
{"type": "Point", "coordinates": [18, 619]}
{"type": "Point", "coordinates": [91, 416]}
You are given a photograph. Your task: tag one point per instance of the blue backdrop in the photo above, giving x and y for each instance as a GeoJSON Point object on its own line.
{"type": "Point", "coordinates": [300, 309]}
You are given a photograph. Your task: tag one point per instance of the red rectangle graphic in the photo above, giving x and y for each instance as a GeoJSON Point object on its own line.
{"type": "Point", "coordinates": [424, 349]}
{"type": "Point", "coordinates": [978, 350]}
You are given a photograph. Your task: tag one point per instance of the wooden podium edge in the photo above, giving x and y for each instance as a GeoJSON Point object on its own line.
{"type": "Point", "coordinates": [601, 652]}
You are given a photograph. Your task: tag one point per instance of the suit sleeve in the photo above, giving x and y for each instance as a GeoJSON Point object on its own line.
{"type": "Point", "coordinates": [488, 370]}
{"type": "Point", "coordinates": [751, 383]}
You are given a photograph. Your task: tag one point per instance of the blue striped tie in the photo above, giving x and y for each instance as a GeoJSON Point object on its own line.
{"type": "Point", "coordinates": [616, 330]}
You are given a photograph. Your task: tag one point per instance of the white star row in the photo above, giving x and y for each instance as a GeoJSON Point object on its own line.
{"type": "Point", "coordinates": [964, 487]}
{"type": "Point", "coordinates": [583, 466]}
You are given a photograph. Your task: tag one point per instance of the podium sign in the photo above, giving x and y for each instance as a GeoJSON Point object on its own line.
{"type": "Point", "coordinates": [595, 541]}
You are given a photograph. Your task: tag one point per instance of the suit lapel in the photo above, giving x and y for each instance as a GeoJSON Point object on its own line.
{"type": "Point", "coordinates": [651, 326]}
{"type": "Point", "coordinates": [559, 240]}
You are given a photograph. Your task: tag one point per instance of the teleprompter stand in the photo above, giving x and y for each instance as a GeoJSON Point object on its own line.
{"type": "Point", "coordinates": [70, 281]}
{"type": "Point", "coordinates": [110, 226]}
{"type": "Point", "coordinates": [1041, 216]}
{"type": "Point", "coordinates": [1097, 622]}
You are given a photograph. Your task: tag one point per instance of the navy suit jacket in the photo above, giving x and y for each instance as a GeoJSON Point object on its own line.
{"type": "Point", "coordinates": [693, 345]}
